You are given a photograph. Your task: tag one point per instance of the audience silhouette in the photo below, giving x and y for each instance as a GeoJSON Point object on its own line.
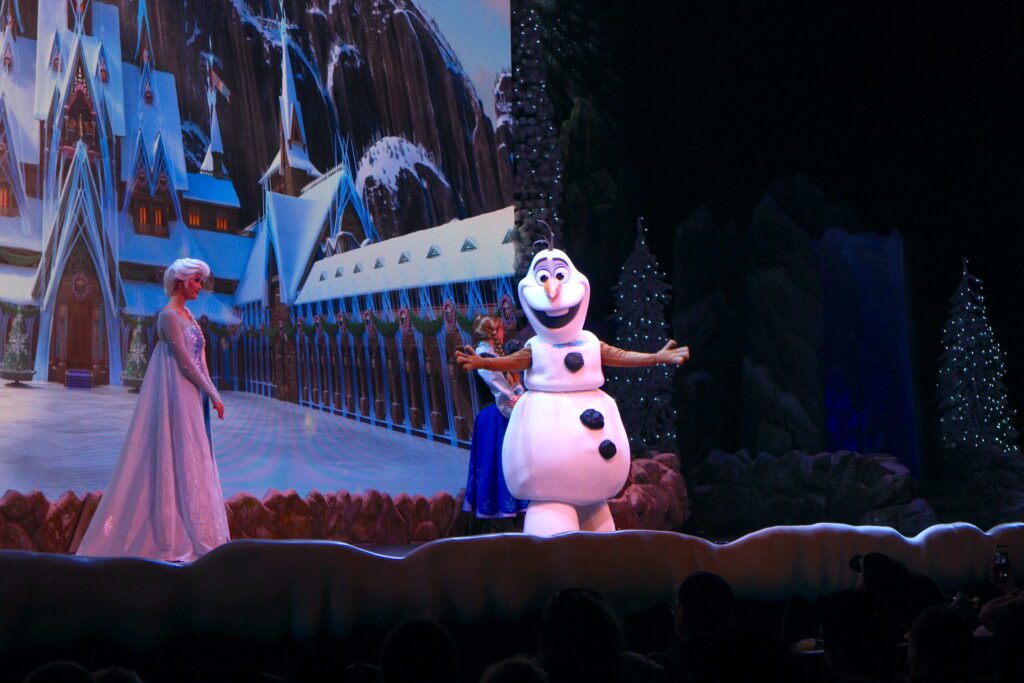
{"type": "Point", "coordinates": [894, 626]}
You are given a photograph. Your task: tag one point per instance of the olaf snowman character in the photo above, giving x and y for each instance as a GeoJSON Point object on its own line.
{"type": "Point", "coordinates": [565, 449]}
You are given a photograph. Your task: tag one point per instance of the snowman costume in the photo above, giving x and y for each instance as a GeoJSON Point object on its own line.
{"type": "Point", "coordinates": [565, 449]}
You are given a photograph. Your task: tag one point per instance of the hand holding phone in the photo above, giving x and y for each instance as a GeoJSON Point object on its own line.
{"type": "Point", "coordinates": [1001, 568]}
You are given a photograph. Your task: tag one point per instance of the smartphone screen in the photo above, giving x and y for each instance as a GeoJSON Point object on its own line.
{"type": "Point", "coordinates": [1001, 562]}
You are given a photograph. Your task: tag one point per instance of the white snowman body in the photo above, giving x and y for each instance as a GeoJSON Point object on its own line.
{"type": "Point", "coordinates": [565, 448]}
{"type": "Point", "coordinates": [565, 440]}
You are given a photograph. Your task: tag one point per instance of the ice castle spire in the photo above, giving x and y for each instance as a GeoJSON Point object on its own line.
{"type": "Point", "coordinates": [291, 112]}
{"type": "Point", "coordinates": [79, 9]}
{"type": "Point", "coordinates": [213, 164]}
{"type": "Point", "coordinates": [145, 55]}
{"type": "Point", "coordinates": [11, 16]}
{"type": "Point", "coordinates": [291, 169]}
{"type": "Point", "coordinates": [8, 13]}
{"type": "Point", "coordinates": [144, 41]}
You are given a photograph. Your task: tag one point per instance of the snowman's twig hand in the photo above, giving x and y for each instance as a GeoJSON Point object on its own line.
{"type": "Point", "coordinates": [468, 359]}
{"type": "Point", "coordinates": [670, 354]}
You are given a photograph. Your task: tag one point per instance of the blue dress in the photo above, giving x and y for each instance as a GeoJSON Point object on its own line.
{"type": "Point", "coordinates": [486, 492]}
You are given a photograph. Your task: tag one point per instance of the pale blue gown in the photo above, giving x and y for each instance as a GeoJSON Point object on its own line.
{"type": "Point", "coordinates": [165, 501]}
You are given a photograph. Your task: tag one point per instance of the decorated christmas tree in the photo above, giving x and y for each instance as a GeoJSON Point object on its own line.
{"type": "Point", "coordinates": [644, 395]}
{"type": "Point", "coordinates": [135, 367]}
{"type": "Point", "coordinates": [17, 356]}
{"type": "Point", "coordinates": [537, 167]}
{"type": "Point", "coordinates": [973, 408]}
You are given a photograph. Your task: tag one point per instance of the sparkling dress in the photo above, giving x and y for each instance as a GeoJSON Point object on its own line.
{"type": "Point", "coordinates": [164, 501]}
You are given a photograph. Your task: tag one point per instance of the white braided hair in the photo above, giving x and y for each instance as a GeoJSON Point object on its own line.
{"type": "Point", "coordinates": [183, 269]}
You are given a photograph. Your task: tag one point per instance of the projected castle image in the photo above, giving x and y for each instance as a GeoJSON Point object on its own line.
{"type": "Point", "coordinates": [311, 302]}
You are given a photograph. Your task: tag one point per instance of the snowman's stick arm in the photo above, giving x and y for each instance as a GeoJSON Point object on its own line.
{"type": "Point", "coordinates": [615, 357]}
{"type": "Point", "coordinates": [514, 362]}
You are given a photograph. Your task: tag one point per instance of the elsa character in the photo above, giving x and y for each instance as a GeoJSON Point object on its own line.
{"type": "Point", "coordinates": [164, 501]}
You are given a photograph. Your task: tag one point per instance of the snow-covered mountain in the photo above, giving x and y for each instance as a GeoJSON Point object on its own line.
{"type": "Point", "coordinates": [375, 74]}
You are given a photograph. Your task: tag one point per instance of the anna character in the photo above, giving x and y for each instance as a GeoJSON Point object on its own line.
{"type": "Point", "coordinates": [486, 492]}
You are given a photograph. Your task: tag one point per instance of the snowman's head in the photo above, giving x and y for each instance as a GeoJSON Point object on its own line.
{"type": "Point", "coordinates": [555, 297]}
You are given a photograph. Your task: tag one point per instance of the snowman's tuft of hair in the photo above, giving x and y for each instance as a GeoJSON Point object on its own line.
{"type": "Point", "coordinates": [551, 235]}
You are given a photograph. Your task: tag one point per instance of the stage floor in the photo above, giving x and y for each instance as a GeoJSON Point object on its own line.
{"type": "Point", "coordinates": [55, 439]}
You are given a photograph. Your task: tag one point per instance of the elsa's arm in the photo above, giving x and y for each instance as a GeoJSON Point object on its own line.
{"type": "Point", "coordinates": [172, 331]}
{"type": "Point", "coordinates": [217, 405]}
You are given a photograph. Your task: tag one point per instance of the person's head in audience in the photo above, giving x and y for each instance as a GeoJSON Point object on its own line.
{"type": "Point", "coordinates": [116, 675]}
{"type": "Point", "coordinates": [418, 651]}
{"type": "Point", "coordinates": [856, 647]}
{"type": "Point", "coordinates": [704, 604]}
{"type": "Point", "coordinates": [939, 647]}
{"type": "Point", "coordinates": [515, 670]}
{"type": "Point", "coordinates": [361, 673]}
{"type": "Point", "coordinates": [251, 677]}
{"type": "Point", "coordinates": [580, 637]}
{"type": "Point", "coordinates": [60, 672]}
{"type": "Point", "coordinates": [923, 592]}
{"type": "Point", "coordinates": [888, 584]}
{"type": "Point", "coordinates": [879, 573]}
{"type": "Point", "coordinates": [1010, 643]}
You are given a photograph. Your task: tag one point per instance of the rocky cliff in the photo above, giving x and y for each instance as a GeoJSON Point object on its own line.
{"type": "Point", "coordinates": [374, 77]}
{"type": "Point", "coordinates": [708, 290]}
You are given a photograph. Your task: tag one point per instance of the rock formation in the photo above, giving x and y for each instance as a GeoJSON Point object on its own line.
{"type": "Point", "coordinates": [783, 405]}
{"type": "Point", "coordinates": [654, 498]}
{"type": "Point", "coordinates": [365, 70]}
{"type": "Point", "coordinates": [736, 493]}
{"type": "Point", "coordinates": [707, 291]}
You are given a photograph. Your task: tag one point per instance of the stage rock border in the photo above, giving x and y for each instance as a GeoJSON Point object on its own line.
{"type": "Point", "coordinates": [654, 498]}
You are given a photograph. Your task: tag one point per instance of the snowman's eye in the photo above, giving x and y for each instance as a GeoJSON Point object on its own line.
{"type": "Point", "coordinates": [561, 274]}
{"type": "Point", "coordinates": [541, 276]}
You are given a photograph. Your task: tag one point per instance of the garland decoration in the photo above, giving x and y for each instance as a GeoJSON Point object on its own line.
{"type": "Point", "coordinates": [223, 330]}
{"type": "Point", "coordinates": [465, 322]}
{"type": "Point", "coordinates": [387, 327]}
{"type": "Point", "coordinates": [11, 309]}
{"type": "Point", "coordinates": [427, 326]}
{"type": "Point", "coordinates": [355, 328]}
{"type": "Point", "coordinates": [16, 259]}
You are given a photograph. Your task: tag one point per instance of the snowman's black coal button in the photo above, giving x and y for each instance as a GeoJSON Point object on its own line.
{"type": "Point", "coordinates": [607, 449]}
{"type": "Point", "coordinates": [592, 419]}
{"type": "Point", "coordinates": [574, 361]}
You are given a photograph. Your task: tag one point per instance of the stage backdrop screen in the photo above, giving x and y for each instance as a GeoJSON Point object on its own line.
{"type": "Point", "coordinates": [342, 166]}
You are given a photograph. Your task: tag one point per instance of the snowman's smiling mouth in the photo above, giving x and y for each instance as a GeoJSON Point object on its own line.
{"type": "Point", "coordinates": [553, 320]}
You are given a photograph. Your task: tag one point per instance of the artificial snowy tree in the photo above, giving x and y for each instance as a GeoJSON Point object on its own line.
{"type": "Point", "coordinates": [973, 409]}
{"type": "Point", "coordinates": [17, 361]}
{"type": "Point", "coordinates": [536, 161]}
{"type": "Point", "coordinates": [644, 395]}
{"type": "Point", "coordinates": [135, 367]}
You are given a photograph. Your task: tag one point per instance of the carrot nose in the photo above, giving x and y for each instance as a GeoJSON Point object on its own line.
{"type": "Point", "coordinates": [553, 287]}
